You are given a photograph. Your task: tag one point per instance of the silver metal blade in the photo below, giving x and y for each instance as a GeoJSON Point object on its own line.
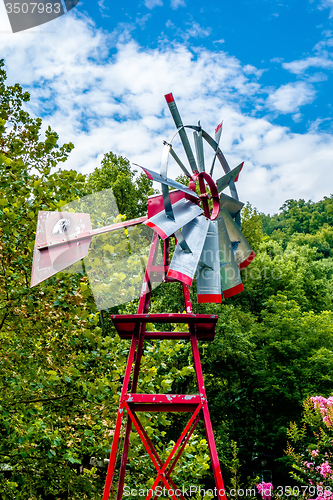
{"type": "Point", "coordinates": [182, 242]}
{"type": "Point", "coordinates": [220, 156]}
{"type": "Point", "coordinates": [182, 134]}
{"type": "Point", "coordinates": [231, 282]}
{"type": "Point", "coordinates": [184, 211]}
{"type": "Point", "coordinates": [218, 132]}
{"type": "Point", "coordinates": [156, 205]}
{"type": "Point", "coordinates": [199, 150]}
{"type": "Point", "coordinates": [223, 162]}
{"type": "Point", "coordinates": [167, 202]}
{"type": "Point", "coordinates": [168, 149]}
{"type": "Point", "coordinates": [233, 206]}
{"type": "Point", "coordinates": [184, 265]}
{"type": "Point", "coordinates": [224, 181]}
{"type": "Point", "coordinates": [244, 253]}
{"type": "Point", "coordinates": [208, 272]}
{"type": "Point", "coordinates": [167, 182]}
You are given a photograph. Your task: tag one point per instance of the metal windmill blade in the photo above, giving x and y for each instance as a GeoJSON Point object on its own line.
{"type": "Point", "coordinates": [115, 252]}
{"type": "Point", "coordinates": [218, 133]}
{"type": "Point", "coordinates": [211, 243]}
{"type": "Point", "coordinates": [243, 253]}
{"type": "Point", "coordinates": [208, 271]}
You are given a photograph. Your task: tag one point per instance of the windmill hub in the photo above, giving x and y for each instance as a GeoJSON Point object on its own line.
{"type": "Point", "coordinates": [204, 178]}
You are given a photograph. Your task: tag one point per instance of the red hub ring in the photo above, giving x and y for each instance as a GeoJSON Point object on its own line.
{"type": "Point", "coordinates": [204, 196]}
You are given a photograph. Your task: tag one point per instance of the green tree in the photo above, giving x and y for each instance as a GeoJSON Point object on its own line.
{"type": "Point", "coordinates": [56, 390]}
{"type": "Point", "coordinates": [252, 226]}
{"type": "Point", "coordinates": [130, 190]}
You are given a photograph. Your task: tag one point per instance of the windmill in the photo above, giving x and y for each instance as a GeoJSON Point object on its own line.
{"type": "Point", "coordinates": [205, 223]}
{"type": "Point", "coordinates": [210, 242]}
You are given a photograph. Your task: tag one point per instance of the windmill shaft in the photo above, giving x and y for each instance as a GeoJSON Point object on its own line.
{"type": "Point", "coordinates": [94, 232]}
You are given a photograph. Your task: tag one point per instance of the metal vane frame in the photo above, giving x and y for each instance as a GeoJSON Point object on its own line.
{"type": "Point", "coordinates": [201, 327]}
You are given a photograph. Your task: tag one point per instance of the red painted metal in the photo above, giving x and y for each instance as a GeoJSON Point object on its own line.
{"type": "Point", "coordinates": [203, 176]}
{"type": "Point", "coordinates": [163, 398]}
{"type": "Point", "coordinates": [201, 327]}
{"type": "Point", "coordinates": [140, 328]}
{"type": "Point", "coordinates": [233, 291]}
{"type": "Point", "coordinates": [169, 98]}
{"type": "Point", "coordinates": [208, 298]}
{"type": "Point", "coordinates": [188, 303]}
{"type": "Point", "coordinates": [203, 324]}
{"type": "Point", "coordinates": [156, 407]}
{"type": "Point", "coordinates": [120, 415]}
{"type": "Point", "coordinates": [236, 178]}
{"type": "Point", "coordinates": [195, 423]}
{"type": "Point", "coordinates": [207, 422]}
{"type": "Point", "coordinates": [247, 261]}
{"type": "Point", "coordinates": [152, 448]}
{"type": "Point", "coordinates": [156, 205]}
{"type": "Point", "coordinates": [180, 277]}
{"type": "Point", "coordinates": [218, 127]}
{"type": "Point", "coordinates": [158, 230]}
{"type": "Point", "coordinates": [161, 471]}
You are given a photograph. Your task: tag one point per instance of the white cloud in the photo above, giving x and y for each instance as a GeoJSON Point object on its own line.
{"type": "Point", "coordinates": [300, 66]}
{"type": "Point", "coordinates": [196, 31]}
{"type": "Point", "coordinates": [177, 3]}
{"type": "Point", "coordinates": [314, 127]}
{"type": "Point", "coordinates": [4, 21]}
{"type": "Point", "coordinates": [297, 117]}
{"type": "Point", "coordinates": [288, 98]}
{"type": "Point", "coordinates": [150, 4]}
{"type": "Point", "coordinates": [322, 58]}
{"type": "Point", "coordinates": [327, 4]}
{"type": "Point", "coordinates": [106, 102]}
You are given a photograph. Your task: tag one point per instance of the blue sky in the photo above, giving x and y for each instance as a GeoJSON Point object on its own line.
{"type": "Point", "coordinates": [98, 75]}
{"type": "Point", "coordinates": [272, 36]}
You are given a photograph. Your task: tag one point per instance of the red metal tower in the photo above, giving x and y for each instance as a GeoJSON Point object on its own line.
{"type": "Point", "coordinates": [133, 326]}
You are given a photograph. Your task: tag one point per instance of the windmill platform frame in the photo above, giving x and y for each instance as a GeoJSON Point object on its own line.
{"type": "Point", "coordinates": [133, 326]}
